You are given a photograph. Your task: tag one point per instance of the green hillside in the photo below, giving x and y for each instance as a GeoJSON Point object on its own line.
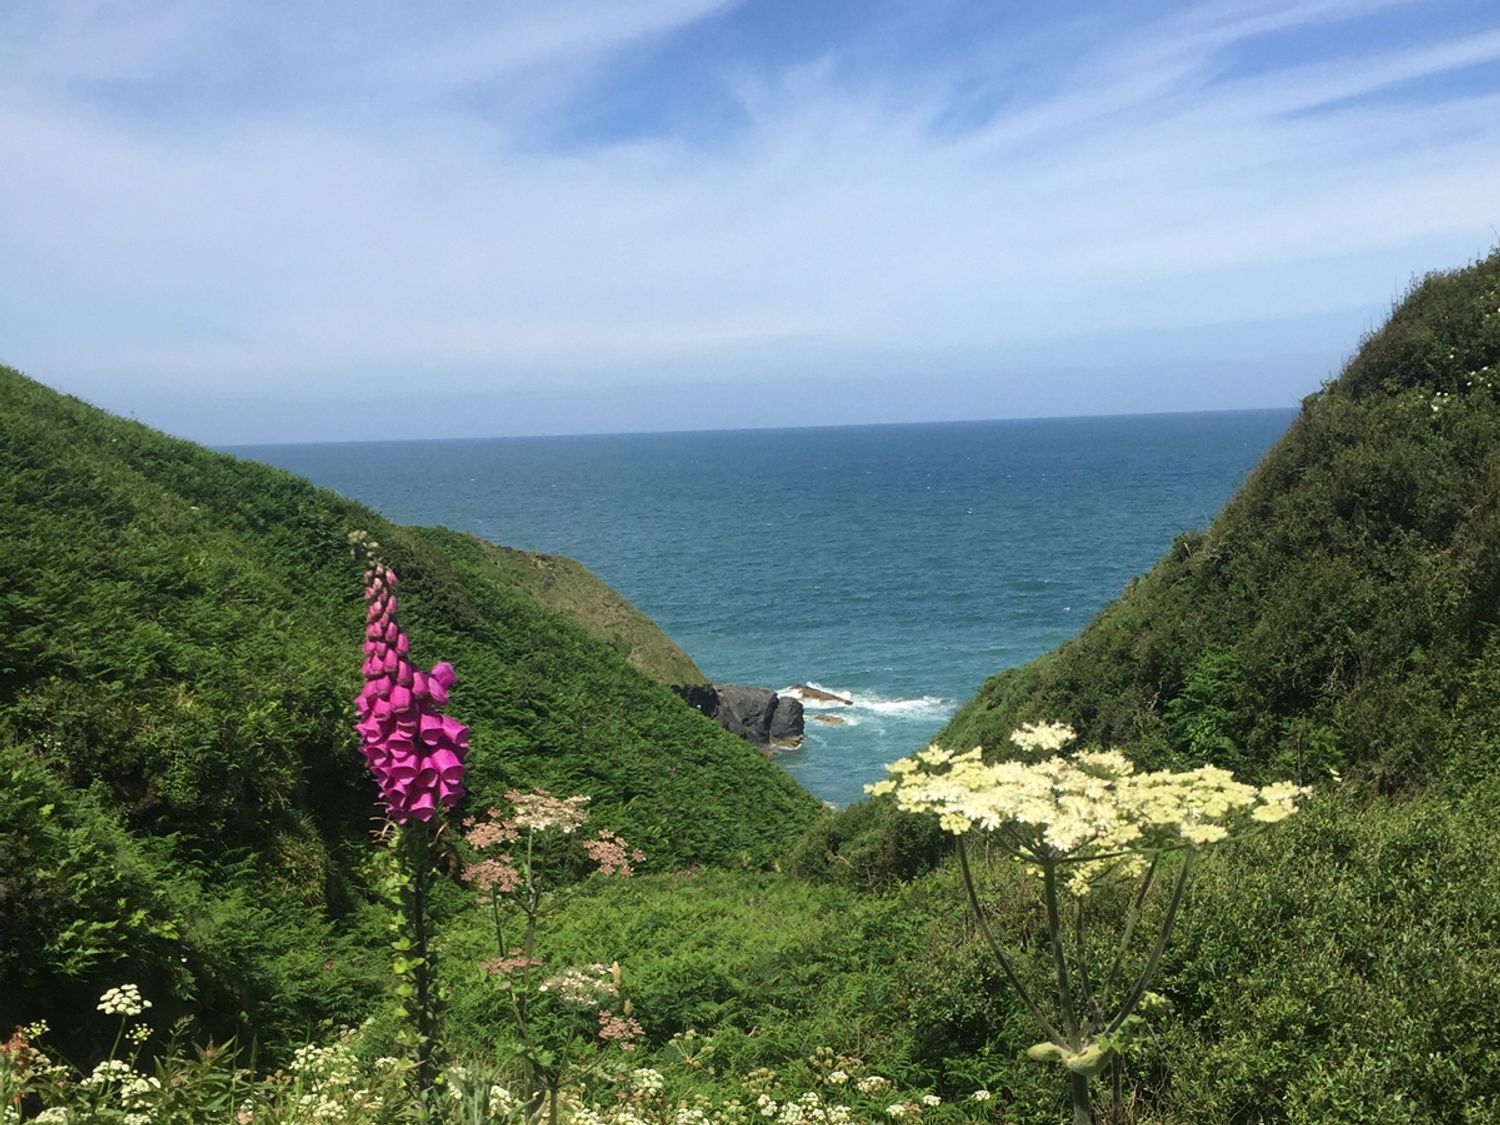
{"type": "Point", "coordinates": [570, 588]}
{"type": "Point", "coordinates": [1340, 613]}
{"type": "Point", "coordinates": [179, 645]}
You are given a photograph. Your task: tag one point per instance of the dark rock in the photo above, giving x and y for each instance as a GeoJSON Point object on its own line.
{"type": "Point", "coordinates": [786, 721]}
{"type": "Point", "coordinates": [746, 711]}
{"type": "Point", "coordinates": [700, 697]}
{"type": "Point", "coordinates": [758, 715]}
{"type": "Point", "coordinates": [818, 695]}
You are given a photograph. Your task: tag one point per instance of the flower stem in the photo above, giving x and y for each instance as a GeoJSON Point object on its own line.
{"type": "Point", "coordinates": [1078, 1084]}
{"type": "Point", "coordinates": [1010, 973]}
{"type": "Point", "coordinates": [421, 864]}
{"type": "Point", "coordinates": [1156, 951]}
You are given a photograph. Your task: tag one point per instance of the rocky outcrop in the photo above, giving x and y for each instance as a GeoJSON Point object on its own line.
{"type": "Point", "coordinates": [762, 718]}
{"type": "Point", "coordinates": [786, 721]}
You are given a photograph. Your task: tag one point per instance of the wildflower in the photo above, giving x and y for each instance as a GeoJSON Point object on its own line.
{"type": "Point", "coordinates": [608, 850]}
{"type": "Point", "coordinates": [897, 1110]}
{"type": "Point", "coordinates": [504, 966]}
{"type": "Point", "coordinates": [931, 1100]}
{"type": "Point", "coordinates": [123, 1001]}
{"type": "Point", "coordinates": [107, 1073]}
{"type": "Point", "coordinates": [55, 1115]}
{"type": "Point", "coordinates": [1046, 738]}
{"type": "Point", "coordinates": [646, 1080]}
{"type": "Point", "coordinates": [871, 1084]}
{"type": "Point", "coordinates": [622, 1031]}
{"type": "Point", "coordinates": [1090, 808]}
{"type": "Point", "coordinates": [539, 810]}
{"type": "Point", "coordinates": [487, 833]}
{"type": "Point", "coordinates": [139, 1089]}
{"type": "Point", "coordinates": [581, 988]}
{"type": "Point", "coordinates": [496, 873]}
{"type": "Point", "coordinates": [980, 1096]}
{"type": "Point", "coordinates": [416, 754]}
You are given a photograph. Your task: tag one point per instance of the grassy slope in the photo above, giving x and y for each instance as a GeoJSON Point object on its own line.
{"type": "Point", "coordinates": [1339, 611]}
{"type": "Point", "coordinates": [1340, 968]}
{"type": "Point", "coordinates": [570, 588]}
{"type": "Point", "coordinates": [178, 645]}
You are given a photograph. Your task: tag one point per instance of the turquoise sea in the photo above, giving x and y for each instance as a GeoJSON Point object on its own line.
{"type": "Point", "coordinates": [898, 565]}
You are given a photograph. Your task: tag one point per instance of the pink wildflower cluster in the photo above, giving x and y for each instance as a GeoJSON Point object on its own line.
{"type": "Point", "coordinates": [504, 966]}
{"type": "Point", "coordinates": [416, 754]}
{"type": "Point", "coordinates": [493, 875]}
{"type": "Point", "coordinates": [609, 851]}
{"type": "Point", "coordinates": [622, 1031]}
{"type": "Point", "coordinates": [483, 834]}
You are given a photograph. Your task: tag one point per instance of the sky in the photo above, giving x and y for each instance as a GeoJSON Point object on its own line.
{"type": "Point", "coordinates": [267, 221]}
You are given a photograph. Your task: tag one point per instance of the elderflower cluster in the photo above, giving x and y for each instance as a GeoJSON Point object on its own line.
{"type": "Point", "coordinates": [540, 810]}
{"type": "Point", "coordinates": [108, 1073]}
{"type": "Point", "coordinates": [334, 1085]}
{"type": "Point", "coordinates": [1042, 738]}
{"type": "Point", "coordinates": [1089, 809]}
{"type": "Point", "coordinates": [125, 1000]}
{"type": "Point", "coordinates": [646, 1080]}
{"type": "Point", "coordinates": [581, 988]}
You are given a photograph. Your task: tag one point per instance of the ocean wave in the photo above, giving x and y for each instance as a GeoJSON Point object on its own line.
{"type": "Point", "coordinates": [810, 693]}
{"type": "Point", "coordinates": [926, 705]}
{"type": "Point", "coordinates": [816, 697]}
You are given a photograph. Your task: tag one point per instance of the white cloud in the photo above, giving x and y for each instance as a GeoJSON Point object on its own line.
{"type": "Point", "coordinates": [360, 220]}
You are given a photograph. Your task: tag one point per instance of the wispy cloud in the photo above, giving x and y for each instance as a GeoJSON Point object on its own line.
{"type": "Point", "coordinates": [206, 195]}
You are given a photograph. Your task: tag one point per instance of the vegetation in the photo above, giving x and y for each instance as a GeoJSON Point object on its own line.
{"type": "Point", "coordinates": [1340, 613]}
{"type": "Point", "coordinates": [569, 587]}
{"type": "Point", "coordinates": [183, 808]}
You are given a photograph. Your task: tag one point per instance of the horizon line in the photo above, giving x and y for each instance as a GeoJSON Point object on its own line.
{"type": "Point", "coordinates": [229, 447]}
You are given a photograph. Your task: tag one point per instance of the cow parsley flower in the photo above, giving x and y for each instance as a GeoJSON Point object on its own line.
{"type": "Point", "coordinates": [1089, 809]}
{"type": "Point", "coordinates": [125, 1000]}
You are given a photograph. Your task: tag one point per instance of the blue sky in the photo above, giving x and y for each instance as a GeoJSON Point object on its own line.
{"type": "Point", "coordinates": [274, 221]}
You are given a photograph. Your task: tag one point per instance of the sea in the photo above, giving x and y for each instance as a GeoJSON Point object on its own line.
{"type": "Point", "coordinates": [896, 567]}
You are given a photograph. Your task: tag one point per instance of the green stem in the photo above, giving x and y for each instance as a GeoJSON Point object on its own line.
{"type": "Point", "coordinates": [421, 863]}
{"type": "Point", "coordinates": [1078, 1092]}
{"type": "Point", "coordinates": [1078, 1084]}
{"type": "Point", "coordinates": [1149, 971]}
{"type": "Point", "coordinates": [1010, 974]}
{"type": "Point", "coordinates": [1080, 949]}
{"type": "Point", "coordinates": [1130, 921]}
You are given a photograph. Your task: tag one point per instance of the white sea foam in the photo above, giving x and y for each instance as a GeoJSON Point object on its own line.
{"type": "Point", "coordinates": [845, 702]}
{"type": "Point", "coordinates": [812, 703]}
{"type": "Point", "coordinates": [926, 705]}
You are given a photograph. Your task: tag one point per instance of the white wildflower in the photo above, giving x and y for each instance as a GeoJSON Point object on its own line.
{"type": "Point", "coordinates": [647, 1080]}
{"type": "Point", "coordinates": [107, 1072]}
{"type": "Point", "coordinates": [125, 1000]}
